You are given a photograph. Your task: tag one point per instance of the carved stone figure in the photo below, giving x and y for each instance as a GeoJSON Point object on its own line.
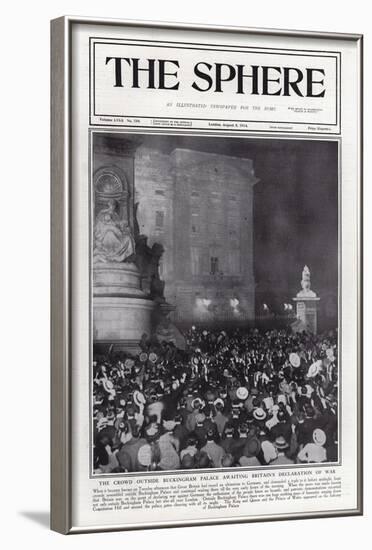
{"type": "Point", "coordinates": [147, 260]}
{"type": "Point", "coordinates": [113, 240]}
{"type": "Point", "coordinates": [306, 291]}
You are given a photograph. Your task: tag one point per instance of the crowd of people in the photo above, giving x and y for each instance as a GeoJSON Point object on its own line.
{"type": "Point", "coordinates": [239, 398]}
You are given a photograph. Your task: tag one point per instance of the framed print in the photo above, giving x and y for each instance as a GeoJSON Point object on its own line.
{"type": "Point", "coordinates": [206, 275]}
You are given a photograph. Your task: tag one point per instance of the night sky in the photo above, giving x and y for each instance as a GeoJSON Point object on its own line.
{"type": "Point", "coordinates": [295, 209]}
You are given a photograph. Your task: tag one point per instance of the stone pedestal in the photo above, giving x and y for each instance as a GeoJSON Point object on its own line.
{"type": "Point", "coordinates": [122, 312]}
{"type": "Point", "coordinates": [117, 279]}
{"type": "Point", "coordinates": [121, 321]}
{"type": "Point", "coordinates": [306, 312]}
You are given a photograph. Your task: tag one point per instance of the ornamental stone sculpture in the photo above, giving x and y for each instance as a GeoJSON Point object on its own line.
{"type": "Point", "coordinates": [113, 240]}
{"type": "Point", "coordinates": [306, 291]}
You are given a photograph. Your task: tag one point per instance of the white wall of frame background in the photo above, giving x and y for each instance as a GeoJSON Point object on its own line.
{"type": "Point", "coordinates": [24, 304]}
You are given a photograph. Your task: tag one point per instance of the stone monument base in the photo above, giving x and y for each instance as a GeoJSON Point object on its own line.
{"type": "Point", "coordinates": [306, 312]}
{"type": "Point", "coordinates": [122, 312]}
{"type": "Point", "coordinates": [116, 279]}
{"type": "Point", "coordinates": [121, 321]}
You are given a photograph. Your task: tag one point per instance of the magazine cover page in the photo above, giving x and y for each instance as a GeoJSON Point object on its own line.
{"type": "Point", "coordinates": [214, 287]}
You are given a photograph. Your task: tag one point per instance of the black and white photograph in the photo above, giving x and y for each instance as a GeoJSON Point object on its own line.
{"type": "Point", "coordinates": [214, 302]}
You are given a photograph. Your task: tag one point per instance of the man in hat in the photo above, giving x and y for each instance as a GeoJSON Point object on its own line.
{"type": "Point", "coordinates": [214, 451]}
{"type": "Point", "coordinates": [303, 399]}
{"type": "Point", "coordinates": [182, 410]}
{"type": "Point", "coordinates": [306, 428]}
{"type": "Point", "coordinates": [171, 398]}
{"type": "Point", "coordinates": [250, 452]}
{"type": "Point", "coordinates": [197, 405]}
{"type": "Point", "coordinates": [153, 430]}
{"type": "Point", "coordinates": [189, 395]}
{"type": "Point", "coordinates": [191, 447]}
{"type": "Point", "coordinates": [227, 441]}
{"type": "Point", "coordinates": [168, 447]}
{"type": "Point", "coordinates": [240, 441]}
{"type": "Point", "coordinates": [155, 406]}
{"type": "Point", "coordinates": [237, 414]}
{"type": "Point", "coordinates": [268, 452]}
{"type": "Point", "coordinates": [127, 455]}
{"type": "Point", "coordinates": [180, 431]}
{"type": "Point", "coordinates": [101, 454]}
{"type": "Point", "coordinates": [282, 447]}
{"type": "Point", "coordinates": [249, 403]}
{"type": "Point", "coordinates": [201, 428]}
{"type": "Point", "coordinates": [314, 451]}
{"type": "Point", "coordinates": [219, 418]}
{"type": "Point", "coordinates": [283, 426]}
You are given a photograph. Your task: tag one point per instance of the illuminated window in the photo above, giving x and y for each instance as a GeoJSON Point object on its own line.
{"type": "Point", "coordinates": [195, 224]}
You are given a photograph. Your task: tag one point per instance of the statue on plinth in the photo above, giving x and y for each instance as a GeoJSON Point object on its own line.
{"type": "Point", "coordinates": [306, 291]}
{"type": "Point", "coordinates": [306, 305]}
{"type": "Point", "coordinates": [113, 239]}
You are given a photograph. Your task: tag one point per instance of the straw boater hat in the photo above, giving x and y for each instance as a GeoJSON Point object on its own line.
{"type": "Point", "coordinates": [294, 359]}
{"type": "Point", "coordinates": [314, 369]}
{"type": "Point", "coordinates": [259, 414]}
{"type": "Point", "coordinates": [319, 437]}
{"type": "Point", "coordinates": [108, 385]}
{"type": "Point", "coordinates": [197, 401]}
{"type": "Point", "coordinates": [242, 393]}
{"type": "Point", "coordinates": [280, 443]}
{"type": "Point", "coordinates": [139, 398]}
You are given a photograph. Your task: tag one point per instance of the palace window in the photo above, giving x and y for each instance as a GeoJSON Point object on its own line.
{"type": "Point", "coordinates": [195, 223]}
{"type": "Point", "coordinates": [214, 265]}
{"type": "Point", "coordinates": [159, 219]}
{"type": "Point", "coordinates": [195, 260]}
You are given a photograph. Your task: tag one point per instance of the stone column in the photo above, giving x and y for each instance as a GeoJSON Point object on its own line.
{"type": "Point", "coordinates": [122, 312]}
